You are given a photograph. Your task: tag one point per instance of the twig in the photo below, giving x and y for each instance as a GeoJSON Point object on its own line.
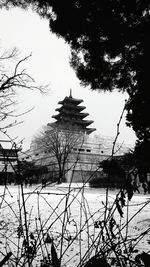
{"type": "Point", "coordinates": [5, 259]}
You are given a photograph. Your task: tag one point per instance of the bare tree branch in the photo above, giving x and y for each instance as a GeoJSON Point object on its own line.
{"type": "Point", "coordinates": [12, 78]}
{"type": "Point", "coordinates": [59, 144]}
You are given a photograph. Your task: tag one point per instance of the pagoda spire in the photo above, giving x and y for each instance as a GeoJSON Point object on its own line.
{"type": "Point", "coordinates": [70, 93]}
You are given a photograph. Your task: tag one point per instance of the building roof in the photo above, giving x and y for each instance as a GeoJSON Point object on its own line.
{"type": "Point", "coordinates": [71, 114]}
{"type": "Point", "coordinates": [8, 151]}
{"type": "Point", "coordinates": [72, 100]}
{"type": "Point", "coordinates": [70, 106]}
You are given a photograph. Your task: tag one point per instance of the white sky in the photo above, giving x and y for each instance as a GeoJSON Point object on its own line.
{"type": "Point", "coordinates": [49, 64]}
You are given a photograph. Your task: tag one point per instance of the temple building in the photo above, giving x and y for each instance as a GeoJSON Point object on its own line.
{"type": "Point", "coordinates": [84, 157]}
{"type": "Point", "coordinates": [71, 116]}
{"type": "Point", "coordinates": [8, 161]}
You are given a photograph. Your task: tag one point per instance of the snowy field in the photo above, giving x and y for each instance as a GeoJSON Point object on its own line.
{"type": "Point", "coordinates": [45, 219]}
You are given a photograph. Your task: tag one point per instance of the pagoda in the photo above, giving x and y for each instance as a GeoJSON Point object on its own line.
{"type": "Point", "coordinates": [70, 116]}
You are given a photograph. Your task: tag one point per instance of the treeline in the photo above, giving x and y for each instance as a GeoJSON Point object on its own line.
{"type": "Point", "coordinates": [25, 172]}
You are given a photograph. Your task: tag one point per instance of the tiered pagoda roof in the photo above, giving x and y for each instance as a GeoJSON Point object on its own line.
{"type": "Point", "coordinates": [70, 115]}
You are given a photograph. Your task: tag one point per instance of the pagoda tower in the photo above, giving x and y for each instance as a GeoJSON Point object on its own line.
{"type": "Point", "coordinates": [71, 117]}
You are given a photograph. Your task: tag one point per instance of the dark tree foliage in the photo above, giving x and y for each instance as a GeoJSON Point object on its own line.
{"type": "Point", "coordinates": [139, 158]}
{"type": "Point", "coordinates": [29, 169]}
{"type": "Point", "coordinates": [141, 154]}
{"type": "Point", "coordinates": [110, 44]}
{"type": "Point", "coordinates": [113, 167]}
{"type": "Point", "coordinates": [128, 161]}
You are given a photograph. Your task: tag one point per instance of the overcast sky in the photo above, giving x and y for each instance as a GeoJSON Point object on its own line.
{"type": "Point", "coordinates": [49, 64]}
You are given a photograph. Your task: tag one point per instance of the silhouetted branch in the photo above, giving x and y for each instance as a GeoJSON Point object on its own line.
{"type": "Point", "coordinates": [118, 128]}
{"type": "Point", "coordinates": [5, 259]}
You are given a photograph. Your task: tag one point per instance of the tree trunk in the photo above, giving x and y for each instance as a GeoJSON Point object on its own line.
{"type": "Point", "coordinates": [60, 176]}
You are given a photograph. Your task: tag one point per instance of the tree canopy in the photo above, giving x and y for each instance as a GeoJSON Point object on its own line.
{"type": "Point", "coordinates": [110, 42]}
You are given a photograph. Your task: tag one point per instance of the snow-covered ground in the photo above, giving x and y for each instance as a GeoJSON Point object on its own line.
{"type": "Point", "coordinates": [45, 215]}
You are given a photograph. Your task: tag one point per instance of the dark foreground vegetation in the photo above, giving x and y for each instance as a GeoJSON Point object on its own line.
{"type": "Point", "coordinates": [50, 234]}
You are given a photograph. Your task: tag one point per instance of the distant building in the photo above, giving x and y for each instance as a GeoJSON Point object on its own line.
{"type": "Point", "coordinates": [83, 161]}
{"type": "Point", "coordinates": [8, 161]}
{"type": "Point", "coordinates": [70, 116]}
